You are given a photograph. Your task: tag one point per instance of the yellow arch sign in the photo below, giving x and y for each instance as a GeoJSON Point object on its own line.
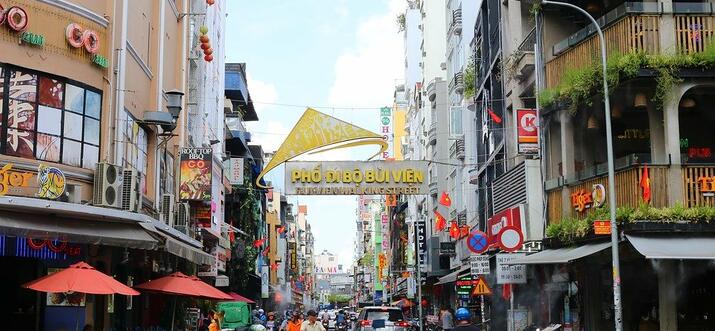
{"type": "Point", "coordinates": [316, 132]}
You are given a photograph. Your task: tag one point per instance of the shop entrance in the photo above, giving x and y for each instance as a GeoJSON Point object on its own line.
{"type": "Point", "coordinates": [22, 311]}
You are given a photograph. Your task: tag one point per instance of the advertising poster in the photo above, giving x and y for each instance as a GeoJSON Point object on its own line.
{"type": "Point", "coordinates": [264, 282]}
{"type": "Point", "coordinates": [195, 179]}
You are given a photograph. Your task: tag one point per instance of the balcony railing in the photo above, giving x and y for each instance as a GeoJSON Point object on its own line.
{"type": "Point", "coordinates": [456, 26]}
{"type": "Point", "coordinates": [433, 133]}
{"type": "Point", "coordinates": [692, 32]}
{"type": "Point", "coordinates": [457, 82]}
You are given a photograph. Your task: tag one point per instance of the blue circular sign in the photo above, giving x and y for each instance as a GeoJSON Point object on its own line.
{"type": "Point", "coordinates": [477, 242]}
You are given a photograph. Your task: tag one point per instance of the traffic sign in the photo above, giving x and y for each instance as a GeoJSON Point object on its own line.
{"type": "Point", "coordinates": [477, 242]}
{"type": "Point", "coordinates": [479, 264]}
{"type": "Point", "coordinates": [481, 288]}
{"type": "Point", "coordinates": [510, 239]}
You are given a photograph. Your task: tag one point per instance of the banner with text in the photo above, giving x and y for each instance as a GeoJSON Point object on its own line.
{"type": "Point", "coordinates": [195, 174]}
{"type": "Point", "coordinates": [356, 178]}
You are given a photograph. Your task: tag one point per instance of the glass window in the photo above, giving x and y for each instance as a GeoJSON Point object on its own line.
{"type": "Point", "coordinates": [74, 98]}
{"type": "Point", "coordinates": [48, 119]}
{"type": "Point", "coordinates": [135, 147]}
{"type": "Point", "coordinates": [23, 86]}
{"type": "Point", "coordinates": [51, 92]}
{"type": "Point", "coordinates": [455, 114]}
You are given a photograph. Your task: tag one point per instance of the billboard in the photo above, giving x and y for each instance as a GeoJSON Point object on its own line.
{"type": "Point", "coordinates": [527, 129]}
{"type": "Point", "coordinates": [356, 178]}
{"type": "Point", "coordinates": [195, 177]}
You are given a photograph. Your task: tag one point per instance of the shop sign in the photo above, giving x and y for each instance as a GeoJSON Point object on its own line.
{"type": "Point", "coordinates": [100, 61]}
{"type": "Point", "coordinates": [386, 130]}
{"type": "Point", "coordinates": [527, 131]}
{"type": "Point", "coordinates": [421, 242]}
{"type": "Point", "coordinates": [479, 265]}
{"type": "Point", "coordinates": [391, 200]}
{"type": "Point", "coordinates": [12, 179]}
{"type": "Point", "coordinates": [599, 195]}
{"type": "Point", "coordinates": [510, 274]}
{"type": "Point", "coordinates": [465, 284]}
{"type": "Point", "coordinates": [510, 217]}
{"type": "Point", "coordinates": [235, 170]}
{"type": "Point", "coordinates": [221, 281]}
{"type": "Point", "coordinates": [581, 200]}
{"type": "Point", "coordinates": [195, 178]}
{"type": "Point", "coordinates": [707, 185]}
{"type": "Point", "coordinates": [447, 248]}
{"type": "Point", "coordinates": [293, 256]}
{"type": "Point", "coordinates": [33, 38]}
{"type": "Point", "coordinates": [602, 227]}
{"type": "Point", "coordinates": [264, 282]}
{"type": "Point", "coordinates": [15, 17]}
{"type": "Point", "coordinates": [51, 181]}
{"type": "Point", "coordinates": [356, 178]}
{"type": "Point", "coordinates": [78, 37]}
{"type": "Point", "coordinates": [58, 247]}
{"type": "Point", "coordinates": [208, 270]}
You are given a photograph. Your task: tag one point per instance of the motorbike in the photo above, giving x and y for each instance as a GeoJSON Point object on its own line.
{"type": "Point", "coordinates": [326, 324]}
{"type": "Point", "coordinates": [341, 326]}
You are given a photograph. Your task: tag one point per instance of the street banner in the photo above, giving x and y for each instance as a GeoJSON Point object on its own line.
{"type": "Point", "coordinates": [527, 131]}
{"type": "Point", "coordinates": [479, 265]}
{"type": "Point", "coordinates": [356, 178]}
{"type": "Point", "coordinates": [195, 177]}
{"type": "Point", "coordinates": [235, 170]}
{"type": "Point", "coordinates": [510, 274]}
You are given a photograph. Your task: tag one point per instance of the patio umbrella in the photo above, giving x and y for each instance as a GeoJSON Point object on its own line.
{"type": "Point", "coordinates": [80, 277]}
{"type": "Point", "coordinates": [179, 284]}
{"type": "Point", "coordinates": [238, 297]}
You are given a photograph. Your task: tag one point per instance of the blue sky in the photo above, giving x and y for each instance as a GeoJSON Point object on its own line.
{"type": "Point", "coordinates": [339, 53]}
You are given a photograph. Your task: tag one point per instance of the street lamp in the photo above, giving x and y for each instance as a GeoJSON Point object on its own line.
{"type": "Point", "coordinates": [618, 313]}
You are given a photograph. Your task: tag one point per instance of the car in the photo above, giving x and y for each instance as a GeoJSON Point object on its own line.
{"type": "Point", "coordinates": [382, 319]}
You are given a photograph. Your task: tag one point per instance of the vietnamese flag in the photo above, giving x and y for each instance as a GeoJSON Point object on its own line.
{"type": "Point", "coordinates": [440, 221]}
{"type": "Point", "coordinates": [280, 229]}
{"type": "Point", "coordinates": [444, 200]}
{"type": "Point", "coordinates": [494, 116]}
{"type": "Point", "coordinates": [506, 291]}
{"type": "Point", "coordinates": [463, 231]}
{"type": "Point", "coordinates": [259, 242]}
{"type": "Point", "coordinates": [454, 230]}
{"type": "Point", "coordinates": [265, 251]}
{"type": "Point", "coordinates": [274, 266]}
{"type": "Point", "coordinates": [645, 184]}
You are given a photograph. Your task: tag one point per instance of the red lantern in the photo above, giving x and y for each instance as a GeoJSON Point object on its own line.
{"type": "Point", "coordinates": [209, 58]}
{"type": "Point", "coordinates": [424, 303]}
{"type": "Point", "coordinates": [208, 51]}
{"type": "Point", "coordinates": [204, 39]}
{"type": "Point", "coordinates": [210, 2]}
{"type": "Point", "coordinates": [205, 46]}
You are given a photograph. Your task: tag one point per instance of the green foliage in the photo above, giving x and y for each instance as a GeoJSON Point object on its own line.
{"type": "Point", "coordinates": [469, 79]}
{"type": "Point", "coordinates": [339, 298]}
{"type": "Point", "coordinates": [401, 23]}
{"type": "Point", "coordinates": [571, 229]}
{"type": "Point", "coordinates": [579, 85]}
{"type": "Point", "coordinates": [367, 260]}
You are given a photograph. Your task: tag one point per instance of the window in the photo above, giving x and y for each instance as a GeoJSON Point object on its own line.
{"type": "Point", "coordinates": [455, 123]}
{"type": "Point", "coordinates": [134, 146]}
{"type": "Point", "coordinates": [49, 119]}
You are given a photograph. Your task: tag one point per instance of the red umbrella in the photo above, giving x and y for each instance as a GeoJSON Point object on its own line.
{"type": "Point", "coordinates": [80, 277]}
{"type": "Point", "coordinates": [181, 284]}
{"type": "Point", "coordinates": [238, 297]}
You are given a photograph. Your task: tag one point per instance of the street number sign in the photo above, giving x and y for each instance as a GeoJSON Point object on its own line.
{"type": "Point", "coordinates": [477, 242]}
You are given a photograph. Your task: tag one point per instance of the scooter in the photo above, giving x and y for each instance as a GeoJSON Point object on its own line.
{"type": "Point", "coordinates": [326, 324]}
{"type": "Point", "coordinates": [342, 326]}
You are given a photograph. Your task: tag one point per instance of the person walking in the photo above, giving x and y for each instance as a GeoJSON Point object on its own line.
{"type": "Point", "coordinates": [295, 322]}
{"type": "Point", "coordinates": [464, 320]}
{"type": "Point", "coordinates": [312, 323]}
{"type": "Point", "coordinates": [447, 318]}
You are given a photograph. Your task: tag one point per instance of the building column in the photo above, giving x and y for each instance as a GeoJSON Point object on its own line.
{"type": "Point", "coordinates": [671, 128]}
{"type": "Point", "coordinates": [567, 159]}
{"type": "Point", "coordinates": [667, 29]}
{"type": "Point", "coordinates": [657, 135]}
{"type": "Point", "coordinates": [667, 301]}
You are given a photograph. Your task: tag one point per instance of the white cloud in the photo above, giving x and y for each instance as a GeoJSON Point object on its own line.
{"type": "Point", "coordinates": [269, 135]}
{"type": "Point", "coordinates": [366, 74]}
{"type": "Point", "coordinates": [262, 93]}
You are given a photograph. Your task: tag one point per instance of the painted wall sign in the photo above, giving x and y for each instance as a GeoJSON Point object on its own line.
{"type": "Point", "coordinates": [51, 181]}
{"type": "Point", "coordinates": [10, 178]}
{"type": "Point", "coordinates": [527, 131]}
{"type": "Point", "coordinates": [356, 178]}
{"type": "Point", "coordinates": [195, 181]}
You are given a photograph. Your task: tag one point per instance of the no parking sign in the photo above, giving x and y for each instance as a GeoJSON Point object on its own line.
{"type": "Point", "coordinates": [477, 242]}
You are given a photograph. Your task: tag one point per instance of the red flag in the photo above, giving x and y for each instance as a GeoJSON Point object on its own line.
{"type": "Point", "coordinates": [280, 229]}
{"type": "Point", "coordinates": [265, 251]}
{"type": "Point", "coordinates": [231, 236]}
{"type": "Point", "coordinates": [463, 231]}
{"type": "Point", "coordinates": [440, 221]}
{"type": "Point", "coordinates": [494, 116]}
{"type": "Point", "coordinates": [444, 200]}
{"type": "Point", "coordinates": [645, 184]}
{"type": "Point", "coordinates": [274, 266]}
{"type": "Point", "coordinates": [259, 242]}
{"type": "Point", "coordinates": [454, 230]}
{"type": "Point", "coordinates": [506, 291]}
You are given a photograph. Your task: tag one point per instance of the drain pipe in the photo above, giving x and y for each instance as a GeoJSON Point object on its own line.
{"type": "Point", "coordinates": [121, 77]}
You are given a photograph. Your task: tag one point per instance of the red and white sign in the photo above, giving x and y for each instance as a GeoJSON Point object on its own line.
{"type": "Point", "coordinates": [510, 239]}
{"type": "Point", "coordinates": [527, 130]}
{"type": "Point", "coordinates": [602, 227]}
{"type": "Point", "coordinates": [502, 219]}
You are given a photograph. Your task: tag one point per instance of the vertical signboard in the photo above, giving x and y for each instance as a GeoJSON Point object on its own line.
{"type": "Point", "coordinates": [195, 179]}
{"type": "Point", "coordinates": [264, 282]}
{"type": "Point", "coordinates": [235, 171]}
{"type": "Point", "coordinates": [421, 242]}
{"type": "Point", "coordinates": [386, 130]}
{"type": "Point", "coordinates": [293, 256]}
{"type": "Point", "coordinates": [510, 273]}
{"type": "Point", "coordinates": [385, 232]}
{"type": "Point", "coordinates": [527, 131]}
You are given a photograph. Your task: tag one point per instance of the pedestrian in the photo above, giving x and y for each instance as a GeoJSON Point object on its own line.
{"type": "Point", "coordinates": [312, 323]}
{"type": "Point", "coordinates": [295, 322]}
{"type": "Point", "coordinates": [447, 318]}
{"type": "Point", "coordinates": [214, 322]}
{"type": "Point", "coordinates": [464, 320]}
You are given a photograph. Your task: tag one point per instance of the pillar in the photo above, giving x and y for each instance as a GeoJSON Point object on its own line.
{"type": "Point", "coordinates": [657, 135]}
{"type": "Point", "coordinates": [667, 301]}
{"type": "Point", "coordinates": [567, 158]}
{"type": "Point", "coordinates": [671, 129]}
{"type": "Point", "coordinates": [667, 29]}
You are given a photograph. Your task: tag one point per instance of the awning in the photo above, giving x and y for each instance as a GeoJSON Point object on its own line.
{"type": "Point", "coordinates": [188, 252]}
{"type": "Point", "coordinates": [80, 231]}
{"type": "Point", "coordinates": [674, 247]}
{"type": "Point", "coordinates": [561, 255]}
{"type": "Point", "coordinates": [452, 277]}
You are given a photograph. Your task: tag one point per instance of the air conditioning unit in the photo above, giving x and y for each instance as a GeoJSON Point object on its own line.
{"type": "Point", "coordinates": [183, 215]}
{"type": "Point", "coordinates": [74, 193]}
{"type": "Point", "coordinates": [108, 180]}
{"type": "Point", "coordinates": [166, 212]}
{"type": "Point", "coordinates": [132, 191]}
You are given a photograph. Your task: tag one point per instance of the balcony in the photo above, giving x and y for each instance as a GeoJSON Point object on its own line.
{"type": "Point", "coordinates": [432, 134]}
{"type": "Point", "coordinates": [433, 187]}
{"type": "Point", "coordinates": [457, 83]}
{"type": "Point", "coordinates": [459, 146]}
{"type": "Point", "coordinates": [456, 26]}
{"type": "Point", "coordinates": [522, 62]}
